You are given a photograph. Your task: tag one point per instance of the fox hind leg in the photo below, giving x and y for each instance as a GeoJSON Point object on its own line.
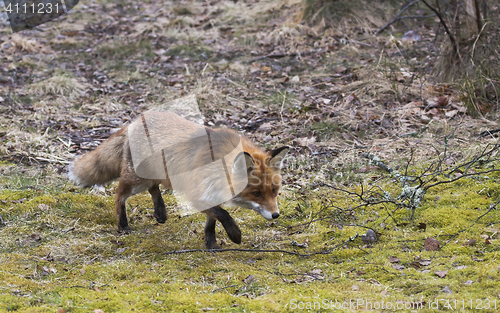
{"type": "Point", "coordinates": [122, 193]}
{"type": "Point", "coordinates": [160, 212]}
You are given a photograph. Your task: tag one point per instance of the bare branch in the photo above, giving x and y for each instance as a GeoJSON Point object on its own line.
{"type": "Point", "coordinates": [397, 17]}
{"type": "Point", "coordinates": [443, 22]}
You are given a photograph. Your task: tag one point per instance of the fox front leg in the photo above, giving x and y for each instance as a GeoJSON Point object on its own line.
{"type": "Point", "coordinates": [160, 213]}
{"type": "Point", "coordinates": [219, 214]}
{"type": "Point", "coordinates": [210, 240]}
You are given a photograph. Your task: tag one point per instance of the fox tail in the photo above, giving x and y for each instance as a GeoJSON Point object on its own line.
{"type": "Point", "coordinates": [102, 165]}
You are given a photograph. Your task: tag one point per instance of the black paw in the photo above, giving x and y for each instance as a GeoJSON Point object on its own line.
{"type": "Point", "coordinates": [234, 233]}
{"type": "Point", "coordinates": [161, 217]}
{"type": "Point", "coordinates": [125, 229]}
{"type": "Point", "coordinates": [212, 246]}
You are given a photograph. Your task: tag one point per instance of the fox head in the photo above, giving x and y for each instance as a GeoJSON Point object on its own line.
{"type": "Point", "coordinates": [264, 182]}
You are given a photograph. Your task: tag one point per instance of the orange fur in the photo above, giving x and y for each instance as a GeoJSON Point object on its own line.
{"type": "Point", "coordinates": [112, 160]}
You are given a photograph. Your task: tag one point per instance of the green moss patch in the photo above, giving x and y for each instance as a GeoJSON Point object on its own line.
{"type": "Point", "coordinates": [62, 250]}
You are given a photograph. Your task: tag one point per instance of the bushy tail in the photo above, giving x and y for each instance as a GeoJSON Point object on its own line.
{"type": "Point", "coordinates": [101, 165]}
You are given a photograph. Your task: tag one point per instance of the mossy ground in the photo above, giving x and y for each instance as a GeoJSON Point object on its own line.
{"type": "Point", "coordinates": [340, 91]}
{"type": "Point", "coordinates": [60, 249]}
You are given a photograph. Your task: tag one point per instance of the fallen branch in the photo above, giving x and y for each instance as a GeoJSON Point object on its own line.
{"type": "Point", "coordinates": [413, 188]}
{"type": "Point", "coordinates": [488, 132]}
{"type": "Point", "coordinates": [397, 18]}
{"type": "Point", "coordinates": [265, 250]}
{"type": "Point", "coordinates": [249, 250]}
{"type": "Point", "coordinates": [450, 34]}
{"type": "Point", "coordinates": [377, 162]}
{"type": "Point", "coordinates": [282, 55]}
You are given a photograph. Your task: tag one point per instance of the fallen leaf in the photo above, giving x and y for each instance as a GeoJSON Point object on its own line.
{"type": "Point", "coordinates": [470, 242]}
{"type": "Point", "coordinates": [43, 207]}
{"type": "Point", "coordinates": [340, 69]}
{"type": "Point", "coordinates": [295, 80]}
{"type": "Point", "coordinates": [451, 113]}
{"type": "Point", "coordinates": [300, 245]}
{"type": "Point", "coordinates": [355, 287]}
{"type": "Point", "coordinates": [431, 244]}
{"type": "Point", "coordinates": [305, 142]}
{"type": "Point", "coordinates": [352, 98]}
{"type": "Point", "coordinates": [369, 237]}
{"type": "Point", "coordinates": [422, 226]}
{"type": "Point", "coordinates": [442, 101]}
{"type": "Point", "coordinates": [394, 259]}
{"type": "Point", "coordinates": [265, 127]}
{"type": "Point", "coordinates": [316, 271]}
{"type": "Point", "coordinates": [441, 273]}
{"type": "Point", "coordinates": [249, 279]}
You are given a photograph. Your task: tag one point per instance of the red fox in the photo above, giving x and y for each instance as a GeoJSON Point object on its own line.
{"type": "Point", "coordinates": [113, 159]}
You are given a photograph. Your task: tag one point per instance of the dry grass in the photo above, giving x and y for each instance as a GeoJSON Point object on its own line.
{"type": "Point", "coordinates": [60, 84]}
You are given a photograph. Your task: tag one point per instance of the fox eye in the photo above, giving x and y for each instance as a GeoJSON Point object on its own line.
{"type": "Point", "coordinates": [256, 194]}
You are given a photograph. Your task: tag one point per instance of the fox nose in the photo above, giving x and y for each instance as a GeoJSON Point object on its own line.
{"type": "Point", "coordinates": [276, 215]}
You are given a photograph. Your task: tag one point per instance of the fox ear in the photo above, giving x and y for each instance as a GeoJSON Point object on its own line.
{"type": "Point", "coordinates": [243, 157]}
{"type": "Point", "coordinates": [277, 156]}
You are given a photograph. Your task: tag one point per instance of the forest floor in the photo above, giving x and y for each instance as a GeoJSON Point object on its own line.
{"type": "Point", "coordinates": [333, 94]}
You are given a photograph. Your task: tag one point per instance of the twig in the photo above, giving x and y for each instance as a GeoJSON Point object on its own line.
{"type": "Point", "coordinates": [375, 160]}
{"type": "Point", "coordinates": [52, 161]}
{"type": "Point", "coordinates": [219, 289]}
{"type": "Point", "coordinates": [450, 35]}
{"type": "Point", "coordinates": [397, 17]}
{"type": "Point", "coordinates": [488, 132]}
{"type": "Point", "coordinates": [475, 42]}
{"type": "Point", "coordinates": [492, 207]}
{"type": "Point", "coordinates": [264, 250]}
{"type": "Point", "coordinates": [282, 55]}
{"type": "Point", "coordinates": [478, 15]}
{"type": "Point", "coordinates": [460, 177]}
{"type": "Point", "coordinates": [248, 250]}
{"type": "Point", "coordinates": [68, 230]}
